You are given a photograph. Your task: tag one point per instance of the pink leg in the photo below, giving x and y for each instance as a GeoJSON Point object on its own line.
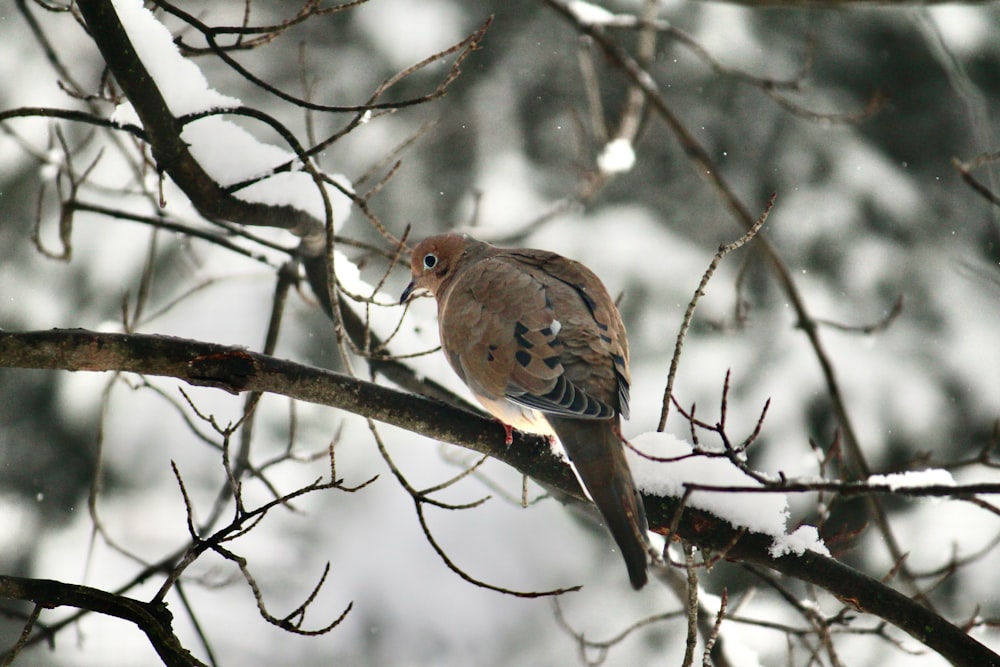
{"type": "Point", "coordinates": [509, 434]}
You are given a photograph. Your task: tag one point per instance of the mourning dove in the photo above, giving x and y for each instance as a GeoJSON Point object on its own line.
{"type": "Point", "coordinates": [539, 341]}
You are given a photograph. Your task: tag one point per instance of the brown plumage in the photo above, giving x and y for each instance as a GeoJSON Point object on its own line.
{"type": "Point", "coordinates": [539, 341]}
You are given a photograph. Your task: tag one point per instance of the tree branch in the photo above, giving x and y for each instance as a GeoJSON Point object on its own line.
{"type": "Point", "coordinates": [237, 369]}
{"type": "Point", "coordinates": [706, 168]}
{"type": "Point", "coordinates": [163, 131]}
{"type": "Point", "coordinates": [153, 619]}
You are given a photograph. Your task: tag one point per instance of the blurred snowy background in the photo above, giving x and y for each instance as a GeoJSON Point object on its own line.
{"type": "Point", "coordinates": [866, 213]}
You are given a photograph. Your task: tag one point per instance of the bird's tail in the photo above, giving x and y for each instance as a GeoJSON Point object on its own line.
{"type": "Point", "coordinates": [596, 451]}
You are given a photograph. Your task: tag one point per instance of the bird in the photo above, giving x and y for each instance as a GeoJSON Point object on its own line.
{"type": "Point", "coordinates": [540, 343]}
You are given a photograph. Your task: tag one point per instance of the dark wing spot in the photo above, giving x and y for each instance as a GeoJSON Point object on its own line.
{"type": "Point", "coordinates": [523, 357]}
{"type": "Point", "coordinates": [587, 299]}
{"type": "Point", "coordinates": [551, 362]}
{"type": "Point", "coordinates": [519, 331]}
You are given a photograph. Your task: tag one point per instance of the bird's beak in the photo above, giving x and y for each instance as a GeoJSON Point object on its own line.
{"type": "Point", "coordinates": [407, 292]}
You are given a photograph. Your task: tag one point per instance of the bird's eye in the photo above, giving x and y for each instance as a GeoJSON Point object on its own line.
{"type": "Point", "coordinates": [430, 260]}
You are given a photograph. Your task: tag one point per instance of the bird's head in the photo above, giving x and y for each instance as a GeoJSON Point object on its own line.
{"type": "Point", "coordinates": [433, 262]}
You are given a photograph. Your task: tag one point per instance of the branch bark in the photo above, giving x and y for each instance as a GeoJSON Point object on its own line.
{"type": "Point", "coordinates": [236, 370]}
{"type": "Point", "coordinates": [153, 619]}
{"type": "Point", "coordinates": [163, 131]}
{"type": "Point", "coordinates": [173, 157]}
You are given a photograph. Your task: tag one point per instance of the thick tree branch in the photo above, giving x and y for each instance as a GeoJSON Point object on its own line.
{"type": "Point", "coordinates": [237, 369]}
{"type": "Point", "coordinates": [153, 619]}
{"type": "Point", "coordinates": [163, 131]}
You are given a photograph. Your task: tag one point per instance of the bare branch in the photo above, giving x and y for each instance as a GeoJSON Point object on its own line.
{"type": "Point", "coordinates": [692, 606]}
{"type": "Point", "coordinates": [153, 619]}
{"type": "Point", "coordinates": [239, 370]}
{"type": "Point", "coordinates": [699, 292]}
{"type": "Point", "coordinates": [460, 49]}
{"type": "Point", "coordinates": [965, 170]}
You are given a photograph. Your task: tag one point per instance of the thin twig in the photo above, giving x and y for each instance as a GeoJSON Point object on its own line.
{"type": "Point", "coordinates": [723, 250]}
{"type": "Point", "coordinates": [691, 641]}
